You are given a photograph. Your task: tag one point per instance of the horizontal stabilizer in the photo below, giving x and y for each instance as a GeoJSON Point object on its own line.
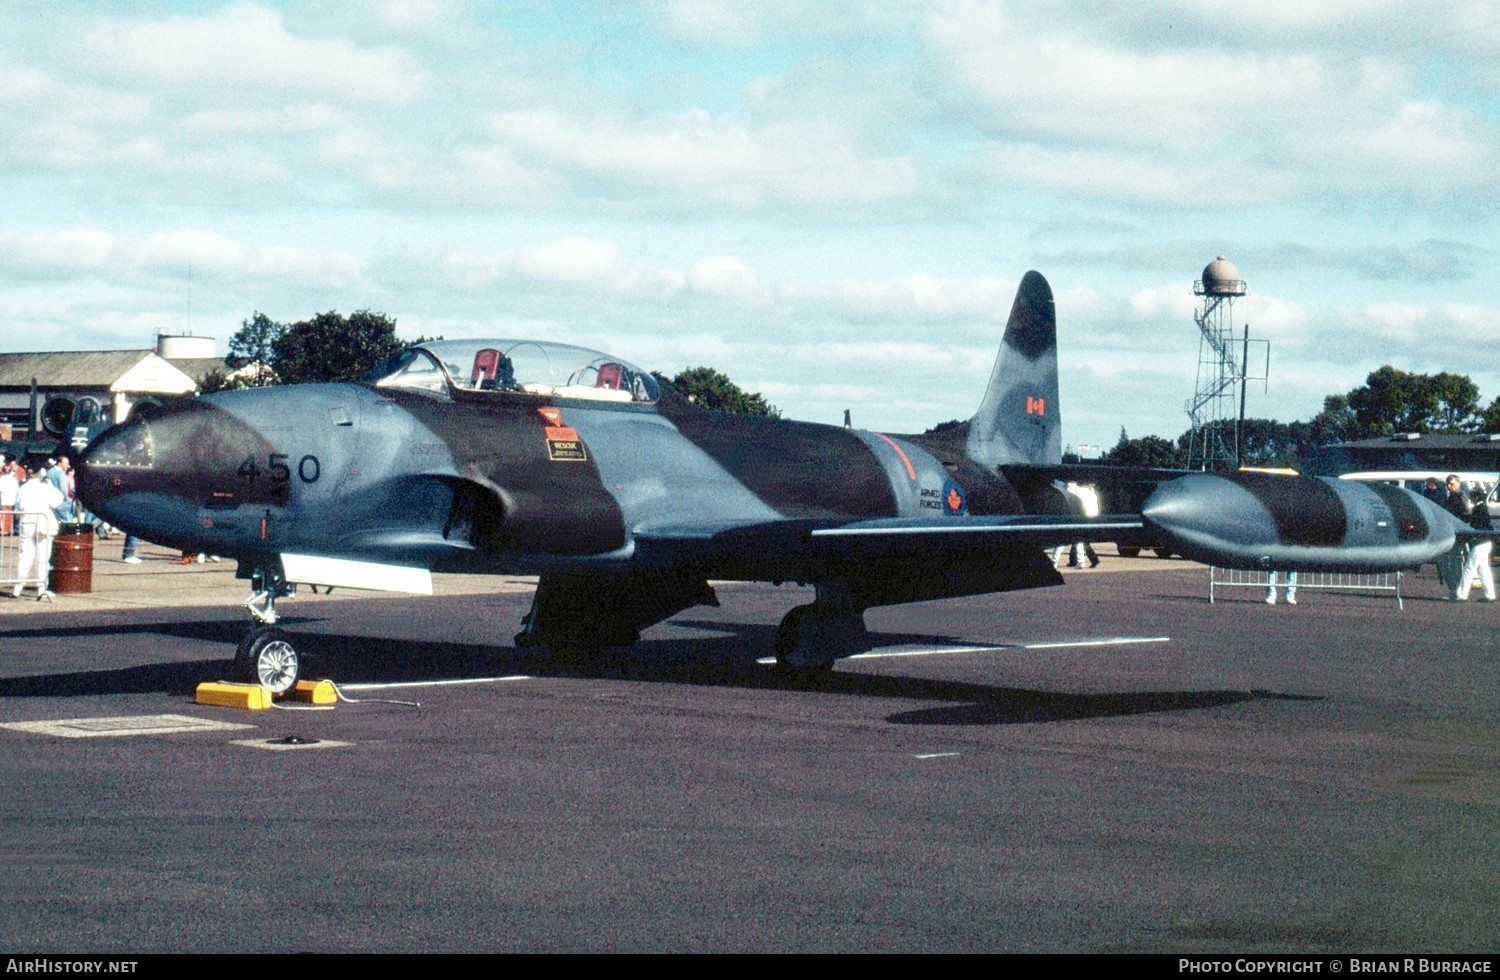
{"type": "Point", "coordinates": [316, 570]}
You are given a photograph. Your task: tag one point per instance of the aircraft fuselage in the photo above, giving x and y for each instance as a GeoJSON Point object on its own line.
{"type": "Point", "coordinates": [501, 481]}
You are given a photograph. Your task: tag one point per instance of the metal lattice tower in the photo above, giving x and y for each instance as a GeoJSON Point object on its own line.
{"type": "Point", "coordinates": [1221, 370]}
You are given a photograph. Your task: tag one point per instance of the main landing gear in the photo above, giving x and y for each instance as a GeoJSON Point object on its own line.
{"type": "Point", "coordinates": [266, 655]}
{"type": "Point", "coordinates": [812, 636]}
{"type": "Point", "coordinates": [579, 614]}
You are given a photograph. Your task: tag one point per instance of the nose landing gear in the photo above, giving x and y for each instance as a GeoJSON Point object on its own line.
{"type": "Point", "coordinates": [266, 655]}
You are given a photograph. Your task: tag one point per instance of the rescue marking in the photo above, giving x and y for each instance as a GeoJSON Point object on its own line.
{"type": "Point", "coordinates": [138, 725]}
{"type": "Point", "coordinates": [468, 680]}
{"type": "Point", "coordinates": [563, 445]}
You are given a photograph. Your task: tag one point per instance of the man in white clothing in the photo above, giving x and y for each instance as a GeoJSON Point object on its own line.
{"type": "Point", "coordinates": [1477, 563]}
{"type": "Point", "coordinates": [36, 513]}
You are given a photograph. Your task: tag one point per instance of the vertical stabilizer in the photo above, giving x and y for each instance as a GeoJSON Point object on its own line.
{"type": "Point", "coordinates": [1018, 422]}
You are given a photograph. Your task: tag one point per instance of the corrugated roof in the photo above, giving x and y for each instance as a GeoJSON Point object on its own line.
{"type": "Point", "coordinates": [68, 369]}
{"type": "Point", "coordinates": [198, 367]}
{"type": "Point", "coordinates": [88, 368]}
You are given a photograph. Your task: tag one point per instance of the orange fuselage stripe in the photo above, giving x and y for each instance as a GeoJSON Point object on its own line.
{"type": "Point", "coordinates": [904, 461]}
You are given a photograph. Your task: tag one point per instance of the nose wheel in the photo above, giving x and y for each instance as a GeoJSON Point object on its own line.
{"type": "Point", "coordinates": [266, 657]}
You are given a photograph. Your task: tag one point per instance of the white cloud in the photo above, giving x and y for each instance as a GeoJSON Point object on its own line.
{"type": "Point", "coordinates": [574, 264]}
{"type": "Point", "coordinates": [722, 22]}
{"type": "Point", "coordinates": [1047, 77]}
{"type": "Point", "coordinates": [1422, 149]}
{"type": "Point", "coordinates": [697, 155]}
{"type": "Point", "coordinates": [906, 299]}
{"type": "Point", "coordinates": [725, 276]}
{"type": "Point", "coordinates": [1166, 300]}
{"type": "Point", "coordinates": [1135, 177]}
{"type": "Point", "coordinates": [1248, 114]}
{"type": "Point", "coordinates": [49, 124]}
{"type": "Point", "coordinates": [737, 24]}
{"type": "Point", "coordinates": [181, 253]}
{"type": "Point", "coordinates": [245, 49]}
{"type": "Point", "coordinates": [887, 357]}
{"type": "Point", "coordinates": [576, 260]}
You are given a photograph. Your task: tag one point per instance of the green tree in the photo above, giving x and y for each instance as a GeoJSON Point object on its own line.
{"type": "Point", "coordinates": [1392, 400]}
{"type": "Point", "coordinates": [331, 347]}
{"type": "Point", "coordinates": [1490, 421]}
{"type": "Point", "coordinates": [1266, 442]}
{"type": "Point", "coordinates": [253, 346]}
{"type": "Point", "coordinates": [214, 380]}
{"type": "Point", "coordinates": [1458, 402]}
{"type": "Point", "coordinates": [1336, 423]}
{"type": "Point", "coordinates": [1151, 451]}
{"type": "Point", "coordinates": [711, 389]}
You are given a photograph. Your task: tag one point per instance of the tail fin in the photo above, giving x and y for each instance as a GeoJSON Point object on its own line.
{"type": "Point", "coordinates": [1018, 422]}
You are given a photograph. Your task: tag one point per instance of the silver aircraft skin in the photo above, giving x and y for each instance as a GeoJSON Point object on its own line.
{"type": "Point", "coordinates": [533, 457]}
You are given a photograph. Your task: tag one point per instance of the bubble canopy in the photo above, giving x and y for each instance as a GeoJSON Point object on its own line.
{"type": "Point", "coordinates": [528, 367]}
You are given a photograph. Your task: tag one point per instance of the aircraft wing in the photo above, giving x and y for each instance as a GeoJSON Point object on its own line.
{"type": "Point", "coordinates": [1042, 529]}
{"type": "Point", "coordinates": [891, 537]}
{"type": "Point", "coordinates": [900, 537]}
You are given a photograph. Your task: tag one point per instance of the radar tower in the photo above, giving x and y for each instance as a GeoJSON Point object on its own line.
{"type": "Point", "coordinates": [1222, 374]}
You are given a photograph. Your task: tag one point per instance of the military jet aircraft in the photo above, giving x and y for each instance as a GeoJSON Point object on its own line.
{"type": "Point", "coordinates": [529, 457]}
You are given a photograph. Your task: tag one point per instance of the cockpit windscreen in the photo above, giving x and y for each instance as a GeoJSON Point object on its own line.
{"type": "Point", "coordinates": [522, 366]}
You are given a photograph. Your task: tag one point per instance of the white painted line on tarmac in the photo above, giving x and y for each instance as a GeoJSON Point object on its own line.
{"type": "Point", "coordinates": [927, 651]}
{"type": "Point", "coordinates": [467, 680]}
{"type": "Point", "coordinates": [1115, 642]}
{"type": "Point", "coordinates": [936, 651]}
{"type": "Point", "coordinates": [138, 725]}
{"type": "Point", "coordinates": [935, 755]}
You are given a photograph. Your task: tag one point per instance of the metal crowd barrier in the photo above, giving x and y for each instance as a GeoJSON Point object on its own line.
{"type": "Point", "coordinates": [1339, 581]}
{"type": "Point", "coordinates": [10, 550]}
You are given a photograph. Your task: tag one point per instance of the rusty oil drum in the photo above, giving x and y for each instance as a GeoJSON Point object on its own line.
{"type": "Point", "coordinates": [73, 559]}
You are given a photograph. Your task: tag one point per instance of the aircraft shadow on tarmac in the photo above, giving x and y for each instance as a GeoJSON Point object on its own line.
{"type": "Point", "coordinates": [719, 660]}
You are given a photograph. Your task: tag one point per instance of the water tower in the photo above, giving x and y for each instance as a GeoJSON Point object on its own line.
{"type": "Point", "coordinates": [1219, 397]}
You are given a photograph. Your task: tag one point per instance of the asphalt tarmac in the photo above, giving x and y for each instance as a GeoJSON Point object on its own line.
{"type": "Point", "coordinates": [1115, 765]}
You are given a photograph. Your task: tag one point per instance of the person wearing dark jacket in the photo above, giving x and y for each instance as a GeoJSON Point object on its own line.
{"type": "Point", "coordinates": [1450, 566]}
{"type": "Point", "coordinates": [1478, 560]}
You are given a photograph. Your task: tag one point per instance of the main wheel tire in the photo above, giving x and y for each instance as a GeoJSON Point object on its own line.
{"type": "Point", "coordinates": [1129, 551]}
{"type": "Point", "coordinates": [267, 657]}
{"type": "Point", "coordinates": [1163, 552]}
{"type": "Point", "coordinates": [797, 675]}
{"type": "Point", "coordinates": [786, 633]}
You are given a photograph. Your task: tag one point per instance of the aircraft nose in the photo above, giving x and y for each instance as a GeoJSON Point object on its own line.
{"type": "Point", "coordinates": [154, 472]}
{"type": "Point", "coordinates": [120, 452]}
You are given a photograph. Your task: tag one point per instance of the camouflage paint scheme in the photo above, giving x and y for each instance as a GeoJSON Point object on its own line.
{"type": "Point", "coordinates": [627, 505]}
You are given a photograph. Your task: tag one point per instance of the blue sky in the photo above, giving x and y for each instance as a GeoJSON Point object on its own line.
{"type": "Point", "coordinates": [830, 201]}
